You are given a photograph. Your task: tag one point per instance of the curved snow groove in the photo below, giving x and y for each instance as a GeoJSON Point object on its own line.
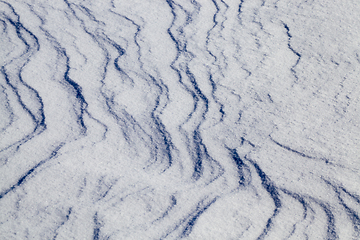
{"type": "Point", "coordinates": [295, 52]}
{"type": "Point", "coordinates": [176, 119]}
{"type": "Point", "coordinates": [28, 97]}
{"type": "Point", "coordinates": [191, 127]}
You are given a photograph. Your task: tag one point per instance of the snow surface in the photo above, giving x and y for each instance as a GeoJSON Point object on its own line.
{"type": "Point", "coordinates": [164, 119]}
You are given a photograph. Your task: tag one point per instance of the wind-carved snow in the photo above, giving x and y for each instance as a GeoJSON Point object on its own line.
{"type": "Point", "coordinates": [179, 120]}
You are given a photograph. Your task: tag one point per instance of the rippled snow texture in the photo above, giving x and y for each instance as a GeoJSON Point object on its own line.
{"type": "Point", "coordinates": [164, 119]}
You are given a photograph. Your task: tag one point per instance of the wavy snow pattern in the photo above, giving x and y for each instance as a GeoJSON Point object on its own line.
{"type": "Point", "coordinates": [179, 119]}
